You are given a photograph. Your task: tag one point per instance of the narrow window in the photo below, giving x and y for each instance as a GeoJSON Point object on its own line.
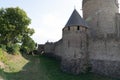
{"type": "Point", "coordinates": [78, 27]}
{"type": "Point", "coordinates": [68, 28]}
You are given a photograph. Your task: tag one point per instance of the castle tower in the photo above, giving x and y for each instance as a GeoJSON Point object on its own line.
{"type": "Point", "coordinates": [103, 19]}
{"type": "Point", "coordinates": [100, 16]}
{"type": "Point", "coordinates": [75, 44]}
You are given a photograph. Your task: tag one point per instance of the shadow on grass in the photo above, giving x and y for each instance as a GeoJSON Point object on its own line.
{"type": "Point", "coordinates": [44, 68]}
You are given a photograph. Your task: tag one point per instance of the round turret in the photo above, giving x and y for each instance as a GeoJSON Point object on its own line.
{"type": "Point", "coordinates": [100, 15]}
{"type": "Point", "coordinates": [75, 44]}
{"type": "Point", "coordinates": [75, 23]}
{"type": "Point", "coordinates": [74, 31]}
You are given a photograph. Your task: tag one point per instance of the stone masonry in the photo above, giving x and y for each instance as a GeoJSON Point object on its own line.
{"type": "Point", "coordinates": [91, 43]}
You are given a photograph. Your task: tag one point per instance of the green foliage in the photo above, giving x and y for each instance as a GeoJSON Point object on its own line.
{"type": "Point", "coordinates": [3, 57]}
{"type": "Point", "coordinates": [3, 47]}
{"type": "Point", "coordinates": [13, 23]}
{"type": "Point", "coordinates": [14, 29]}
{"type": "Point", "coordinates": [13, 48]}
{"type": "Point", "coordinates": [28, 45]}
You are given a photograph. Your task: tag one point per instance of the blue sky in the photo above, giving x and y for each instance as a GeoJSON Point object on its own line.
{"type": "Point", "coordinates": [48, 16]}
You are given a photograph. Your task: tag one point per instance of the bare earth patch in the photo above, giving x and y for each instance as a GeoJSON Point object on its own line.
{"type": "Point", "coordinates": [2, 65]}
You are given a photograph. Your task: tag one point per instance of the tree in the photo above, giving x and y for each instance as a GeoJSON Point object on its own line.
{"type": "Point", "coordinates": [14, 26]}
{"type": "Point", "coordinates": [28, 45]}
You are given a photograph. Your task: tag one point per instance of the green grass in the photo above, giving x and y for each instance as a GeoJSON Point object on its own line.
{"type": "Point", "coordinates": [44, 68]}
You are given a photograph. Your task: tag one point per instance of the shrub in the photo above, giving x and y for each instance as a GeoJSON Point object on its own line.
{"type": "Point", "coordinates": [13, 48]}
{"type": "Point", "coordinates": [3, 57]}
{"type": "Point", "coordinates": [3, 47]}
{"type": "Point", "coordinates": [28, 45]}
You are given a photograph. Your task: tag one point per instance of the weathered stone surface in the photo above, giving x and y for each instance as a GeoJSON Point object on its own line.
{"type": "Point", "coordinates": [97, 45]}
{"type": "Point", "coordinates": [105, 67]}
{"type": "Point", "coordinates": [100, 15]}
{"type": "Point", "coordinates": [75, 66]}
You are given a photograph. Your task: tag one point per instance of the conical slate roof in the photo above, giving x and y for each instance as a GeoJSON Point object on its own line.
{"type": "Point", "coordinates": [76, 20]}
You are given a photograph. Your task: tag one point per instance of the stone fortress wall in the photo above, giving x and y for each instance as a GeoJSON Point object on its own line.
{"type": "Point", "coordinates": [54, 49]}
{"type": "Point", "coordinates": [96, 47]}
{"type": "Point", "coordinates": [104, 44]}
{"type": "Point", "coordinates": [100, 15]}
{"type": "Point", "coordinates": [104, 56]}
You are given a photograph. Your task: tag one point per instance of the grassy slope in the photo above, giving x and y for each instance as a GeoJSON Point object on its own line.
{"type": "Point", "coordinates": [15, 63]}
{"type": "Point", "coordinates": [43, 68]}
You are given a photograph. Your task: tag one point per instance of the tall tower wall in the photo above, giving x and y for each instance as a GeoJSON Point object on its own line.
{"type": "Point", "coordinates": [100, 16]}
{"type": "Point", "coordinates": [104, 46]}
{"type": "Point", "coordinates": [75, 53]}
{"type": "Point", "coordinates": [75, 59]}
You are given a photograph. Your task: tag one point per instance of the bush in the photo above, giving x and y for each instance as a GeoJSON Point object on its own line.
{"type": "Point", "coordinates": [28, 45]}
{"type": "Point", "coordinates": [24, 49]}
{"type": "Point", "coordinates": [3, 47]}
{"type": "Point", "coordinates": [13, 48]}
{"type": "Point", "coordinates": [3, 58]}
